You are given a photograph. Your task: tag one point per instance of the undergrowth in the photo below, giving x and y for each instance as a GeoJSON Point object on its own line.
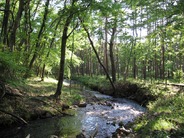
{"type": "Point", "coordinates": [36, 100]}
{"type": "Point", "coordinates": [165, 118]}
{"type": "Point", "coordinates": [165, 115]}
{"type": "Point", "coordinates": [94, 82]}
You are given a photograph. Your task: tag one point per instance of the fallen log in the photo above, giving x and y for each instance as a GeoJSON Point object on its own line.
{"type": "Point", "coordinates": [173, 84]}
{"type": "Point", "coordinates": [15, 116]}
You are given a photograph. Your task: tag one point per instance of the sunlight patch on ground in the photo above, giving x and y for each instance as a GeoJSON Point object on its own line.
{"type": "Point", "coordinates": [66, 83]}
{"type": "Point", "coordinates": [38, 79]}
{"type": "Point", "coordinates": [50, 80]}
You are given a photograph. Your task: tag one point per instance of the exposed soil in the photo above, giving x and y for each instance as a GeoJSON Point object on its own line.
{"type": "Point", "coordinates": [16, 105]}
{"type": "Point", "coordinates": [32, 106]}
{"type": "Point", "coordinates": [130, 91]}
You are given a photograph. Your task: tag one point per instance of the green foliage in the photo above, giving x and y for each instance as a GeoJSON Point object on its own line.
{"type": "Point", "coordinates": [178, 75]}
{"type": "Point", "coordinates": [94, 82]}
{"type": "Point", "coordinates": [163, 117]}
{"type": "Point", "coordinates": [9, 67]}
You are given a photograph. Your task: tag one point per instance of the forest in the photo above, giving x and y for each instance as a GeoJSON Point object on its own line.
{"type": "Point", "coordinates": [52, 51]}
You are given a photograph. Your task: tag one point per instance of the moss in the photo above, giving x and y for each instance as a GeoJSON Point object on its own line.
{"type": "Point", "coordinates": [36, 101]}
{"type": "Point", "coordinates": [164, 118]}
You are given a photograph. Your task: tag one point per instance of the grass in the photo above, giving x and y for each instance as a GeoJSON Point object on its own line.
{"type": "Point", "coordinates": [94, 82]}
{"type": "Point", "coordinates": [164, 118]}
{"type": "Point", "coordinates": [165, 115]}
{"type": "Point", "coordinates": [36, 100]}
{"type": "Point", "coordinates": [35, 87]}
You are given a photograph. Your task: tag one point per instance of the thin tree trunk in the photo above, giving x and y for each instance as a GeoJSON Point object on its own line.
{"type": "Point", "coordinates": [144, 69]}
{"type": "Point", "coordinates": [106, 63]}
{"type": "Point", "coordinates": [163, 58]}
{"type": "Point", "coordinates": [117, 62]}
{"type": "Point", "coordinates": [98, 58]}
{"type": "Point", "coordinates": [37, 49]}
{"type": "Point", "coordinates": [48, 53]}
{"type": "Point", "coordinates": [125, 75]}
{"type": "Point", "coordinates": [111, 45]}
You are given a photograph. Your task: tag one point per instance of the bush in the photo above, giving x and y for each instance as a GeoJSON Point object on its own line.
{"type": "Point", "coordinates": [10, 68]}
{"type": "Point", "coordinates": [178, 75]}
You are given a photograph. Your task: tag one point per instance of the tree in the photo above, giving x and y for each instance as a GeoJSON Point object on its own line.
{"type": "Point", "coordinates": [15, 25]}
{"type": "Point", "coordinates": [111, 47]}
{"type": "Point", "coordinates": [92, 45]}
{"type": "Point", "coordinates": [5, 23]}
{"type": "Point", "coordinates": [38, 40]}
{"type": "Point", "coordinates": [65, 35]}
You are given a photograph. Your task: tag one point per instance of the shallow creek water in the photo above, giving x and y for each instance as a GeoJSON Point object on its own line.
{"type": "Point", "coordinates": [101, 117]}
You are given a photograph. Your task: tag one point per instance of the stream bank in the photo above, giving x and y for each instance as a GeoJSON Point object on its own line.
{"type": "Point", "coordinates": [158, 122]}
{"type": "Point", "coordinates": [133, 91]}
{"type": "Point", "coordinates": [98, 115]}
{"type": "Point", "coordinates": [164, 117]}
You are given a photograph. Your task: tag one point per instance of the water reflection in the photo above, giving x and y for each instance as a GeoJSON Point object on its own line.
{"type": "Point", "coordinates": [107, 117]}
{"type": "Point", "coordinates": [102, 118]}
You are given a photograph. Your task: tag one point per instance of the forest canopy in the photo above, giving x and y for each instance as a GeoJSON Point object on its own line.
{"type": "Point", "coordinates": [132, 38]}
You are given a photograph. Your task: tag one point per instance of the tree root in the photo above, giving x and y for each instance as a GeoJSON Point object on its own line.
{"type": "Point", "coordinates": [15, 116]}
{"type": "Point", "coordinates": [2, 90]}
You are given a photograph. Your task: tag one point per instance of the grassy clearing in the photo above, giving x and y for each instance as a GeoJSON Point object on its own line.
{"type": "Point", "coordinates": [36, 101]}
{"type": "Point", "coordinates": [34, 87]}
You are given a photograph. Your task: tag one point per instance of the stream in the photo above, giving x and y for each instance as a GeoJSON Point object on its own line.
{"type": "Point", "coordinates": [101, 117]}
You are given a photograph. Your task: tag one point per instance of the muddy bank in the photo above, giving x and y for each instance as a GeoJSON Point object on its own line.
{"type": "Point", "coordinates": [132, 91]}
{"type": "Point", "coordinates": [17, 107]}
{"type": "Point", "coordinates": [100, 117]}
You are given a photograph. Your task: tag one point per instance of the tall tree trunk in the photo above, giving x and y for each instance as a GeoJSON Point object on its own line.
{"type": "Point", "coordinates": [4, 29]}
{"type": "Point", "coordinates": [163, 35]}
{"type": "Point", "coordinates": [144, 69]}
{"type": "Point", "coordinates": [90, 63]}
{"type": "Point", "coordinates": [163, 56]}
{"type": "Point", "coordinates": [134, 67]}
{"type": "Point", "coordinates": [117, 61]}
{"type": "Point", "coordinates": [156, 68]}
{"type": "Point", "coordinates": [62, 59]}
{"type": "Point", "coordinates": [28, 28]}
{"type": "Point", "coordinates": [16, 23]}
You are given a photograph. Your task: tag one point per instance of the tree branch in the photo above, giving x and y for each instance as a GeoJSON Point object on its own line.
{"type": "Point", "coordinates": [15, 116]}
{"type": "Point", "coordinates": [73, 30]}
{"type": "Point", "coordinates": [8, 11]}
{"type": "Point", "coordinates": [98, 58]}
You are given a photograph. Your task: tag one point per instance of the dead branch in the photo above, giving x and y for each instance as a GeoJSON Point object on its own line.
{"type": "Point", "coordinates": [15, 116]}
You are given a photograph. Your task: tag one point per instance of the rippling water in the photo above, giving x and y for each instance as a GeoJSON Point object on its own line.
{"type": "Point", "coordinates": [99, 117]}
